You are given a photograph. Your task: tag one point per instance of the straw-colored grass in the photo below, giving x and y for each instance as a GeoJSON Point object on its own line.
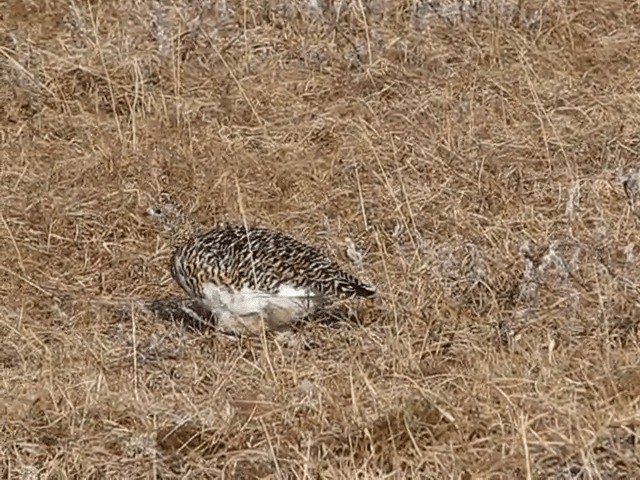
{"type": "Point", "coordinates": [484, 161]}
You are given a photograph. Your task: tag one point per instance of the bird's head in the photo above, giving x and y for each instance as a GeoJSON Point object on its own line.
{"type": "Point", "coordinates": [173, 222]}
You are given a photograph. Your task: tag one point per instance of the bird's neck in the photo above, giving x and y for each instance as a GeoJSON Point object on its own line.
{"type": "Point", "coordinates": [183, 231]}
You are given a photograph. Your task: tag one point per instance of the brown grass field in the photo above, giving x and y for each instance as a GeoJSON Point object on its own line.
{"type": "Point", "coordinates": [483, 158]}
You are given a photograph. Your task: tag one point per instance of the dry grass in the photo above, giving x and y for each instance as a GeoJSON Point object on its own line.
{"type": "Point", "coordinates": [484, 161]}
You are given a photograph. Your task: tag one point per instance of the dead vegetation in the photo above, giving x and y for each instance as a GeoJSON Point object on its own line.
{"type": "Point", "coordinates": [479, 160]}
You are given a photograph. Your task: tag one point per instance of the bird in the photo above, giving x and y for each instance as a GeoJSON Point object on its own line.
{"type": "Point", "coordinates": [243, 273]}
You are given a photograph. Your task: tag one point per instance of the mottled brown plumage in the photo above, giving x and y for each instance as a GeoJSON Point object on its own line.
{"type": "Point", "coordinates": [238, 270]}
{"type": "Point", "coordinates": [260, 259]}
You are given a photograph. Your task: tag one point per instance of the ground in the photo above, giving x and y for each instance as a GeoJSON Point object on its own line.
{"type": "Point", "coordinates": [481, 156]}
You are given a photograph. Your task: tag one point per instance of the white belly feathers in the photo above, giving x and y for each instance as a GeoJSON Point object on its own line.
{"type": "Point", "coordinates": [296, 301]}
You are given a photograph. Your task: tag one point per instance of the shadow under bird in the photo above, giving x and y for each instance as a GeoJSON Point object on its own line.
{"type": "Point", "coordinates": [241, 274]}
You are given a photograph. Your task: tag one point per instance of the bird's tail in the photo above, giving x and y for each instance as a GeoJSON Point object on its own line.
{"type": "Point", "coordinates": [350, 286]}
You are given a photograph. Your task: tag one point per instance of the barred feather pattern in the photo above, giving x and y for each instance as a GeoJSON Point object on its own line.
{"type": "Point", "coordinates": [260, 259]}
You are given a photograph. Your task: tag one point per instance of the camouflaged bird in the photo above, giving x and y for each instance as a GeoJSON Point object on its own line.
{"type": "Point", "coordinates": [239, 272]}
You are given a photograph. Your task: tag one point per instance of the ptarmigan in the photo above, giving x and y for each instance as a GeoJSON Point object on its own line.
{"type": "Point", "coordinates": [243, 273]}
